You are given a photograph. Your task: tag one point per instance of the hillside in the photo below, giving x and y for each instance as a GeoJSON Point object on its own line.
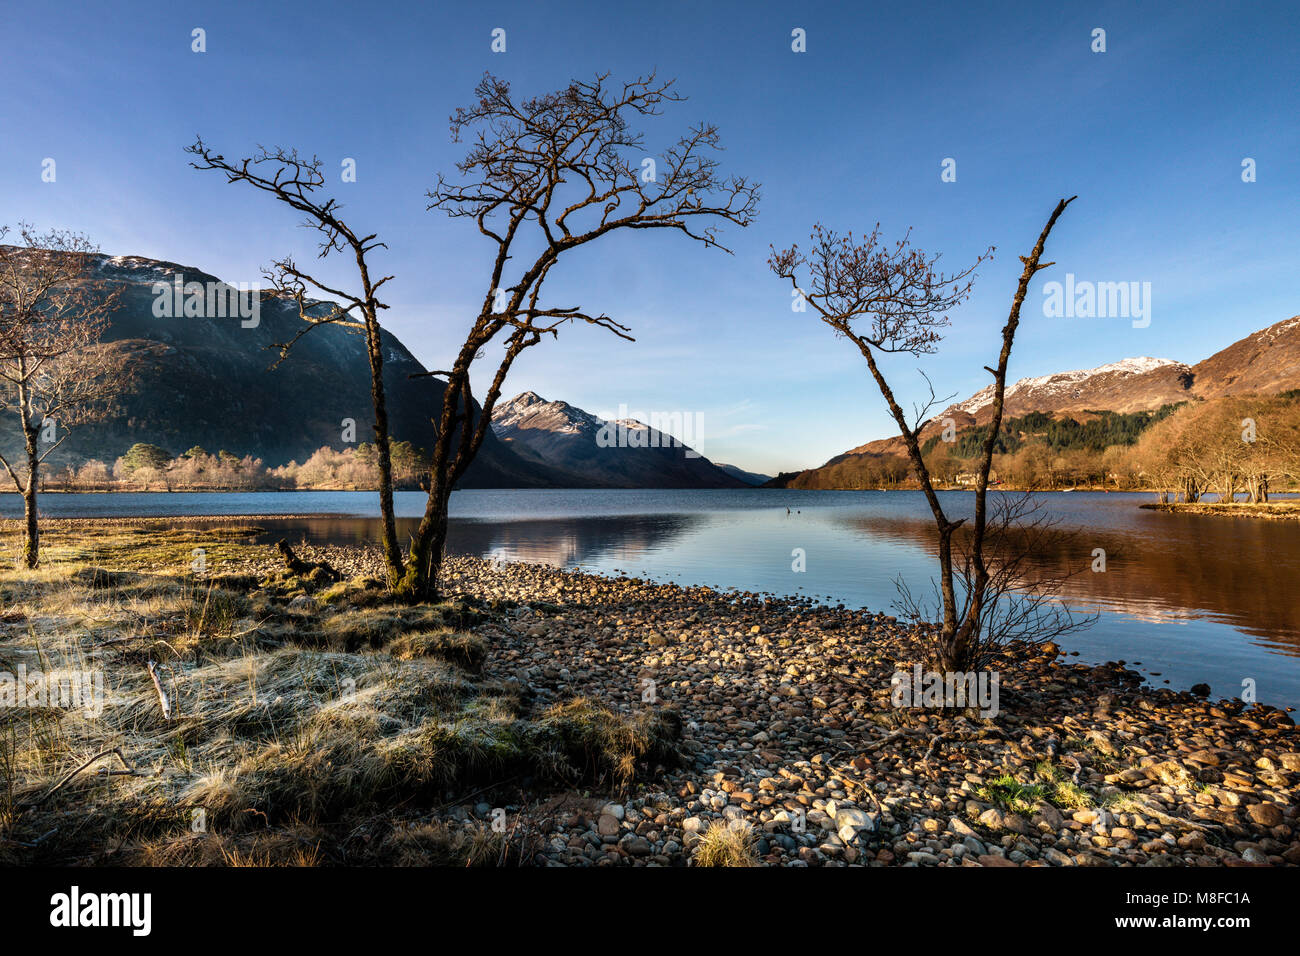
{"type": "Point", "coordinates": [1265, 362]}
{"type": "Point", "coordinates": [199, 381]}
{"type": "Point", "coordinates": [748, 477]}
{"type": "Point", "coordinates": [566, 438]}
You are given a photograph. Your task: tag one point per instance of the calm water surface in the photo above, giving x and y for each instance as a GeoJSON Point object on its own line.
{"type": "Point", "coordinates": [1192, 598]}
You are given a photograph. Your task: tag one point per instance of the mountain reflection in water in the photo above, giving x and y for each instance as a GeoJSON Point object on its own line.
{"type": "Point", "coordinates": [1193, 598]}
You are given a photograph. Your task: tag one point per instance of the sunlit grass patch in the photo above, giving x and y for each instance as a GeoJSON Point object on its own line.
{"type": "Point", "coordinates": [725, 845]}
{"type": "Point", "coordinates": [1008, 792]}
{"type": "Point", "coordinates": [1061, 790]}
{"type": "Point", "coordinates": [291, 723]}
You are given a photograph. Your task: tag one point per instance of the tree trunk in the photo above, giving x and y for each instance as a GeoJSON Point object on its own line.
{"type": "Point", "coordinates": [32, 531]}
{"type": "Point", "coordinates": [420, 580]}
{"type": "Point", "coordinates": [961, 648]}
{"type": "Point", "coordinates": [32, 543]}
{"type": "Point", "coordinates": [31, 524]}
{"type": "Point", "coordinates": [392, 551]}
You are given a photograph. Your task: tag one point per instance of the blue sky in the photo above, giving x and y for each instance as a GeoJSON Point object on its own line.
{"type": "Point", "coordinates": [1150, 134]}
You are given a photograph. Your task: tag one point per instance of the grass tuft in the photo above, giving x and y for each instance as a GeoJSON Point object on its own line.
{"type": "Point", "coordinates": [1008, 792]}
{"type": "Point", "coordinates": [457, 647]}
{"type": "Point", "coordinates": [596, 744]}
{"type": "Point", "coordinates": [725, 845]}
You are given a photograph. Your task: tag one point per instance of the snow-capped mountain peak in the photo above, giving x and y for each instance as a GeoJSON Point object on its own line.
{"type": "Point", "coordinates": [616, 452]}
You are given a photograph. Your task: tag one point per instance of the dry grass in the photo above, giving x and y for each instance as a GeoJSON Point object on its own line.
{"type": "Point", "coordinates": [307, 732]}
{"type": "Point", "coordinates": [460, 648]}
{"type": "Point", "coordinates": [591, 742]}
{"type": "Point", "coordinates": [725, 845]}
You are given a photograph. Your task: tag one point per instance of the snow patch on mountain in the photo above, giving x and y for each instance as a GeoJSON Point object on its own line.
{"type": "Point", "coordinates": [1273, 331]}
{"type": "Point", "coordinates": [1064, 382]}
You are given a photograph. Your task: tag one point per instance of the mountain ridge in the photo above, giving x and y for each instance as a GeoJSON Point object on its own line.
{"type": "Point", "coordinates": [1265, 361]}
{"type": "Point", "coordinates": [212, 382]}
{"type": "Point", "coordinates": [612, 453]}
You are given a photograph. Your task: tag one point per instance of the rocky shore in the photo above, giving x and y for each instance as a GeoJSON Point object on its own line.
{"type": "Point", "coordinates": [790, 742]}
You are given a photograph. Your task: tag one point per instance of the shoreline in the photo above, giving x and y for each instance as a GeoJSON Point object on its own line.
{"type": "Point", "coordinates": [261, 529]}
{"type": "Point", "coordinates": [742, 726]}
{"type": "Point", "coordinates": [823, 737]}
{"type": "Point", "coordinates": [1284, 510]}
{"type": "Point", "coordinates": [62, 522]}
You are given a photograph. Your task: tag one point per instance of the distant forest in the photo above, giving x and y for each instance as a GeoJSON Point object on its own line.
{"type": "Point", "coordinates": [1065, 434]}
{"type": "Point", "coordinates": [1225, 446]}
{"type": "Point", "coordinates": [147, 467]}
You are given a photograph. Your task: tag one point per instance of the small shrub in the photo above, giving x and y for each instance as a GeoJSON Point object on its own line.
{"type": "Point", "coordinates": [726, 845]}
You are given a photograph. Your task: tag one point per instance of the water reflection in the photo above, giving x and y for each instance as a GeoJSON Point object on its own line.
{"type": "Point", "coordinates": [560, 542]}
{"type": "Point", "coordinates": [1193, 597]}
{"type": "Point", "coordinates": [1159, 567]}
{"type": "Point", "coordinates": [1242, 572]}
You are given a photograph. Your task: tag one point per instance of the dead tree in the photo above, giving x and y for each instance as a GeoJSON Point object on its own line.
{"type": "Point", "coordinates": [544, 176]}
{"type": "Point", "coordinates": [892, 299]}
{"type": "Point", "coordinates": [296, 182]}
{"type": "Point", "coordinates": [53, 372]}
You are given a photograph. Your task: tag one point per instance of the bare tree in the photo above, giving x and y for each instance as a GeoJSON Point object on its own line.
{"type": "Point", "coordinates": [894, 300]}
{"type": "Point", "coordinates": [1279, 439]}
{"type": "Point", "coordinates": [544, 176]}
{"type": "Point", "coordinates": [1020, 588]}
{"type": "Point", "coordinates": [296, 182]}
{"type": "Point", "coordinates": [53, 372]}
{"type": "Point", "coordinates": [1226, 444]}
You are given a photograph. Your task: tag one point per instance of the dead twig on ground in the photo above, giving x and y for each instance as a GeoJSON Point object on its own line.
{"type": "Point", "coordinates": [162, 695]}
{"type": "Point", "coordinates": [66, 779]}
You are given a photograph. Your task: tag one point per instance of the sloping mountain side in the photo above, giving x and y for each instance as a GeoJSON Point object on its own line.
{"type": "Point", "coordinates": [192, 380]}
{"type": "Point", "coordinates": [614, 454]}
{"type": "Point", "coordinates": [1265, 362]}
{"type": "Point", "coordinates": [748, 477]}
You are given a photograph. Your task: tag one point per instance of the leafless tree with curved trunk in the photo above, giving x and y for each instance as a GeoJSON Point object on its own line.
{"type": "Point", "coordinates": [544, 176]}
{"type": "Point", "coordinates": [297, 182]}
{"type": "Point", "coordinates": [53, 372]}
{"type": "Point", "coordinates": [893, 299]}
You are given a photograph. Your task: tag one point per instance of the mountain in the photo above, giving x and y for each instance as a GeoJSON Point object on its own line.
{"type": "Point", "coordinates": [206, 381]}
{"type": "Point", "coordinates": [748, 477]}
{"type": "Point", "coordinates": [1264, 362]}
{"type": "Point", "coordinates": [621, 453]}
{"type": "Point", "coordinates": [1130, 385]}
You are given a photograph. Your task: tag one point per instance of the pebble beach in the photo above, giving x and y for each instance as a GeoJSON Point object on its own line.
{"type": "Point", "coordinates": [788, 735]}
